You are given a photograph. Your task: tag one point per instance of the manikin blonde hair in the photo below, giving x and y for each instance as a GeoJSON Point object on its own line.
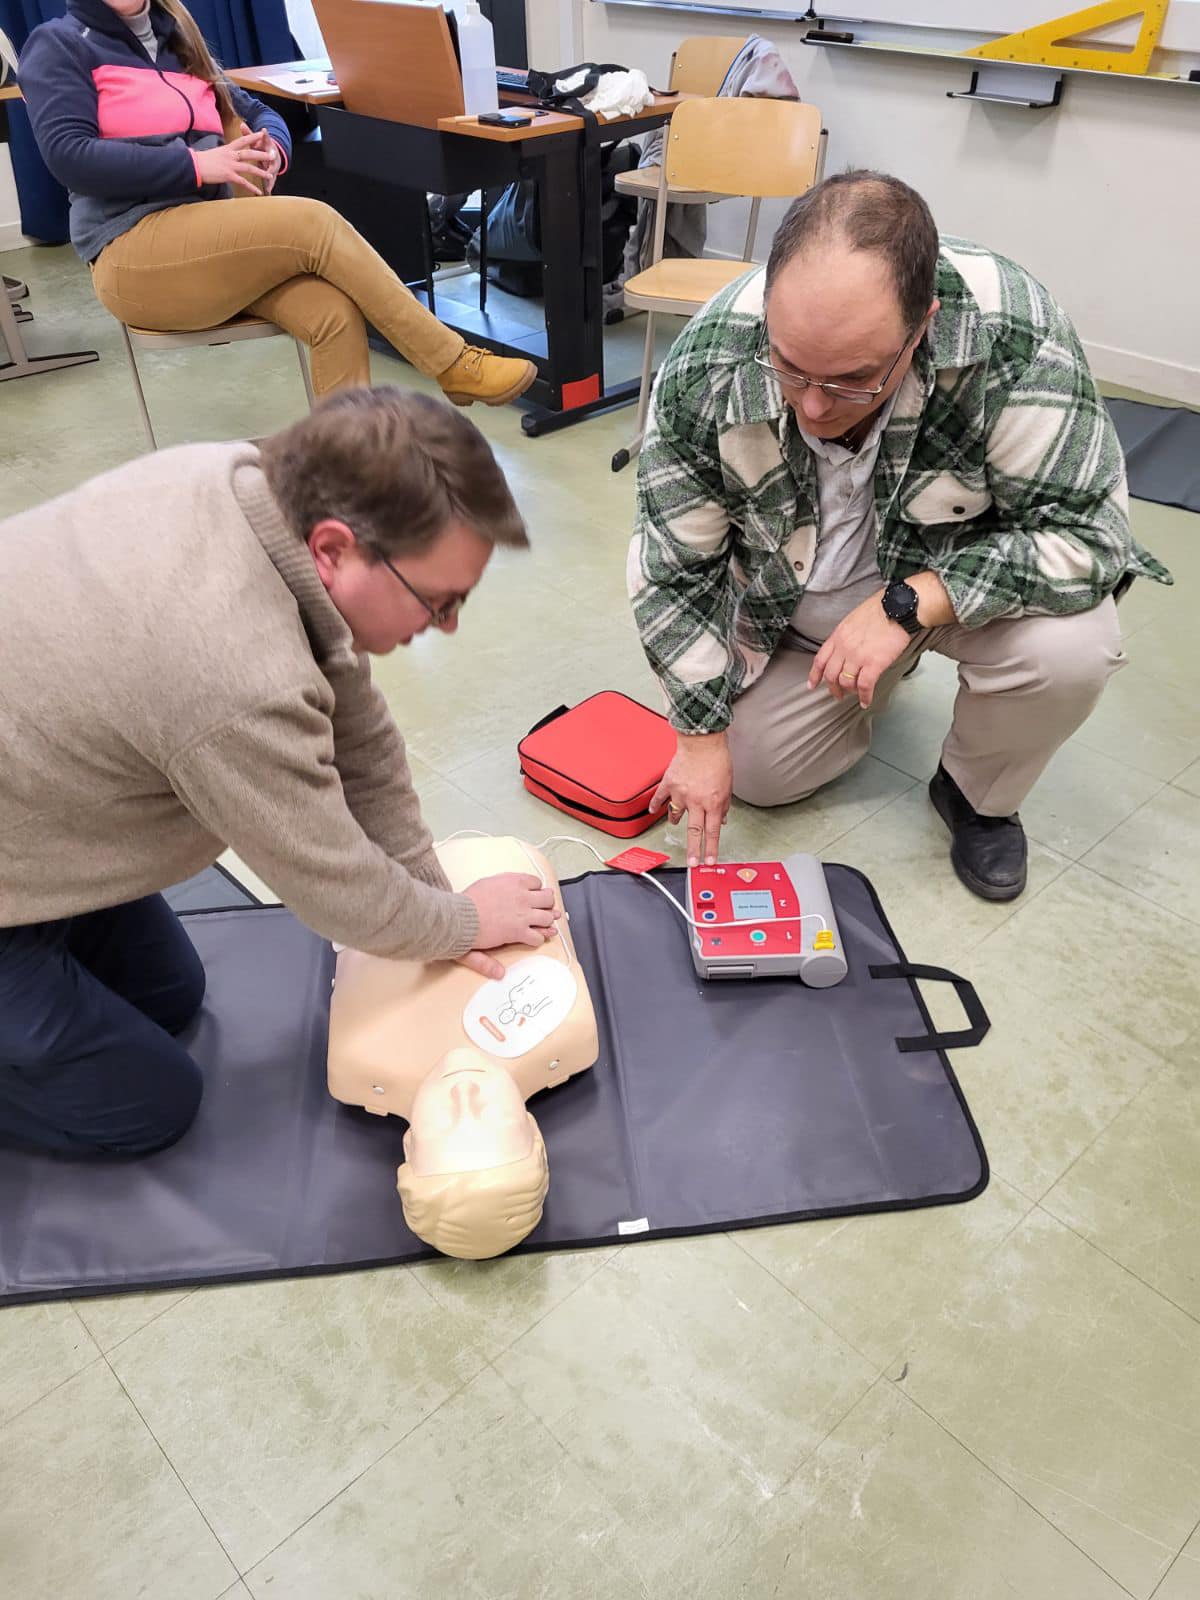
{"type": "Point", "coordinates": [476, 1215]}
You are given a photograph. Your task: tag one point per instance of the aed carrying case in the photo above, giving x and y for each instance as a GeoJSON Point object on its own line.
{"type": "Point", "coordinates": [600, 761]}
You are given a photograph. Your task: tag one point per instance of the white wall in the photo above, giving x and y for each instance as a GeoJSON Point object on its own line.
{"type": "Point", "coordinates": [1096, 197]}
{"type": "Point", "coordinates": [10, 216]}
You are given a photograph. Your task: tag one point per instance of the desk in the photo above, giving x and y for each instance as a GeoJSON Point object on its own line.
{"type": "Point", "coordinates": [459, 155]}
{"type": "Point", "coordinates": [258, 81]}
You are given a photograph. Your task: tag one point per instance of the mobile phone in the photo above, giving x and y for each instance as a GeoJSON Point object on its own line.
{"type": "Point", "coordinates": [505, 119]}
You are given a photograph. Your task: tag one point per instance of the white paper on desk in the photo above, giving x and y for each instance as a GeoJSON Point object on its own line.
{"type": "Point", "coordinates": [299, 82]}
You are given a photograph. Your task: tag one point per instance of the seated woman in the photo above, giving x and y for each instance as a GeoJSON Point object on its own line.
{"type": "Point", "coordinates": [166, 162]}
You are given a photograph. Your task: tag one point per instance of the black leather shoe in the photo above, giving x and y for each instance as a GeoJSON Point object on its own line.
{"type": "Point", "coordinates": [988, 853]}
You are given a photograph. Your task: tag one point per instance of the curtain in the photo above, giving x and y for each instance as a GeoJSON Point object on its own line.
{"type": "Point", "coordinates": [240, 33]}
{"type": "Point", "coordinates": [244, 33]}
{"type": "Point", "coordinates": [43, 203]}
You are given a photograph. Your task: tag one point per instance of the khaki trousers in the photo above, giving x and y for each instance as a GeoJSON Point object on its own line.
{"type": "Point", "coordinates": [1024, 686]}
{"type": "Point", "coordinates": [294, 261]}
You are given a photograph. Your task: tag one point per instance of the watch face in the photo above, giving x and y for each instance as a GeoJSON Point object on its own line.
{"type": "Point", "coordinates": [900, 601]}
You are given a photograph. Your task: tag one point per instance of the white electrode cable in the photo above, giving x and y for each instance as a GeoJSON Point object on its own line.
{"type": "Point", "coordinates": [741, 922]}
{"type": "Point", "coordinates": [570, 838]}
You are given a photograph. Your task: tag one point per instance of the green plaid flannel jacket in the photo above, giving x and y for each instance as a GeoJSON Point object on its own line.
{"type": "Point", "coordinates": [999, 470]}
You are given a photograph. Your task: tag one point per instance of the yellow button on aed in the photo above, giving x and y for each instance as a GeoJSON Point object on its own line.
{"type": "Point", "coordinates": [824, 940]}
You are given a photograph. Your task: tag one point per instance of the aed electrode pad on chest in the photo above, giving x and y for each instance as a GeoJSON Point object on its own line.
{"type": "Point", "coordinates": [508, 1016]}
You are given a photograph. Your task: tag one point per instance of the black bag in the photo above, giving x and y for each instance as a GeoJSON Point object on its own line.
{"type": "Point", "coordinates": [514, 235]}
{"type": "Point", "coordinates": [513, 241]}
{"type": "Point", "coordinates": [542, 84]}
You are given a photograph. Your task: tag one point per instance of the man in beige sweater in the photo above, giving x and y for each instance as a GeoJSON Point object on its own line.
{"type": "Point", "coordinates": [184, 649]}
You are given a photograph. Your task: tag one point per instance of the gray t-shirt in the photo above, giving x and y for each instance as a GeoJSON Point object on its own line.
{"type": "Point", "coordinates": [845, 569]}
{"type": "Point", "coordinates": [140, 27]}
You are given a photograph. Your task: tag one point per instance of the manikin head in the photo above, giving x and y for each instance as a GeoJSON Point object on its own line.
{"type": "Point", "coordinates": [475, 1175]}
{"type": "Point", "coordinates": [849, 296]}
{"type": "Point", "coordinates": [401, 503]}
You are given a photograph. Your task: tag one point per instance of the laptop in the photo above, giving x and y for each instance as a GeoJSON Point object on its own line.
{"type": "Point", "coordinates": [393, 60]}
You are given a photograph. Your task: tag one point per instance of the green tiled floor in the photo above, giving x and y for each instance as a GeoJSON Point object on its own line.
{"type": "Point", "coordinates": [998, 1399]}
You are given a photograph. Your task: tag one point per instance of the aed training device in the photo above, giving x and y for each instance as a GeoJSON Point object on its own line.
{"type": "Point", "coordinates": [765, 919]}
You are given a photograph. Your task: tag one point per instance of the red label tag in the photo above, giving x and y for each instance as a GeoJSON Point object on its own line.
{"type": "Point", "coordinates": [637, 859]}
{"type": "Point", "coordinates": [581, 393]}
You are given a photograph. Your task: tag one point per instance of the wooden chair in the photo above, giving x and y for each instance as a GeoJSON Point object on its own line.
{"type": "Point", "coordinates": [761, 149]}
{"type": "Point", "coordinates": [234, 331]}
{"type": "Point", "coordinates": [699, 66]}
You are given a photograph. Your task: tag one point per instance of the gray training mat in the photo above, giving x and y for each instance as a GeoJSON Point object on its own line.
{"type": "Point", "coordinates": [1162, 452]}
{"type": "Point", "coordinates": [214, 889]}
{"type": "Point", "coordinates": [711, 1106]}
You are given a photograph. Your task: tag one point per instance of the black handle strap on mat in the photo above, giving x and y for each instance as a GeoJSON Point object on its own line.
{"type": "Point", "coordinates": [972, 1005]}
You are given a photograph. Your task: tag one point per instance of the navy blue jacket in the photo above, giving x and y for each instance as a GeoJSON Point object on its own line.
{"type": "Point", "coordinates": [118, 130]}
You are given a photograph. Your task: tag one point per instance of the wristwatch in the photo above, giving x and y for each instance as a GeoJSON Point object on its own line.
{"type": "Point", "coordinates": [900, 601]}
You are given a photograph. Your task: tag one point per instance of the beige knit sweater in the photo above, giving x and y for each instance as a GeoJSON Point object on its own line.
{"type": "Point", "coordinates": [175, 679]}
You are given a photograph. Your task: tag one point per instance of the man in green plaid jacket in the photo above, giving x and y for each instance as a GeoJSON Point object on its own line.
{"type": "Point", "coordinates": [883, 443]}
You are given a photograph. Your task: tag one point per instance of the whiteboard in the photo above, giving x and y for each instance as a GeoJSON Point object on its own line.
{"type": "Point", "coordinates": [979, 19]}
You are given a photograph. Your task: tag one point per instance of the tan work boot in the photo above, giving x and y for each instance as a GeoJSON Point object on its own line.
{"type": "Point", "coordinates": [479, 375]}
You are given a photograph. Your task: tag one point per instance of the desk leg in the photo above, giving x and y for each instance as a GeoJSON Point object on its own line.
{"type": "Point", "coordinates": [573, 295]}
{"type": "Point", "coordinates": [574, 367]}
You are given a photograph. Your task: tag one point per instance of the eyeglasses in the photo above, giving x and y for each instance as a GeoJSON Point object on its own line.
{"type": "Point", "coordinates": [836, 391]}
{"type": "Point", "coordinates": [438, 615]}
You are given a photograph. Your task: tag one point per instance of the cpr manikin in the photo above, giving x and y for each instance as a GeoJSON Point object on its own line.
{"type": "Point", "coordinates": [457, 1056]}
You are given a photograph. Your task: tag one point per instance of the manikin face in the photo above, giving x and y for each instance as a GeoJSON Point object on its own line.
{"type": "Point", "coordinates": [832, 315]}
{"type": "Point", "coordinates": [388, 606]}
{"type": "Point", "coordinates": [467, 1115]}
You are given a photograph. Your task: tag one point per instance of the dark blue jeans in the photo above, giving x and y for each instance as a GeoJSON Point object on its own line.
{"type": "Point", "coordinates": [87, 1009]}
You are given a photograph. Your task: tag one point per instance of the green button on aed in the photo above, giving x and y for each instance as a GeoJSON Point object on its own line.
{"type": "Point", "coordinates": [758, 937]}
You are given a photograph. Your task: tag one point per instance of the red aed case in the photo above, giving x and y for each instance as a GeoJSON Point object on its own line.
{"type": "Point", "coordinates": [600, 761]}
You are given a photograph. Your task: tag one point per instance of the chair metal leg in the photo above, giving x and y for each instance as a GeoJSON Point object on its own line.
{"type": "Point", "coordinates": [751, 230]}
{"type": "Point", "coordinates": [427, 257]}
{"type": "Point", "coordinates": [137, 388]}
{"type": "Point", "coordinates": [623, 457]}
{"type": "Point", "coordinates": [304, 372]}
{"type": "Point", "coordinates": [483, 253]}
{"type": "Point", "coordinates": [647, 363]}
{"type": "Point", "coordinates": [20, 364]}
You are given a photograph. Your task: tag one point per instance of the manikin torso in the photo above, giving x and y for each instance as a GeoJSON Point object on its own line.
{"type": "Point", "coordinates": [393, 1025]}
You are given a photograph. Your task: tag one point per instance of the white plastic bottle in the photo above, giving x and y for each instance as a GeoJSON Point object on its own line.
{"type": "Point", "coordinates": [477, 48]}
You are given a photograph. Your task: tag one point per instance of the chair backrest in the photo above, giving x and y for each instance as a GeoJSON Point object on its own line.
{"type": "Point", "coordinates": [702, 62]}
{"type": "Point", "coordinates": [8, 57]}
{"type": "Point", "coordinates": [392, 60]}
{"type": "Point", "coordinates": [762, 148]}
